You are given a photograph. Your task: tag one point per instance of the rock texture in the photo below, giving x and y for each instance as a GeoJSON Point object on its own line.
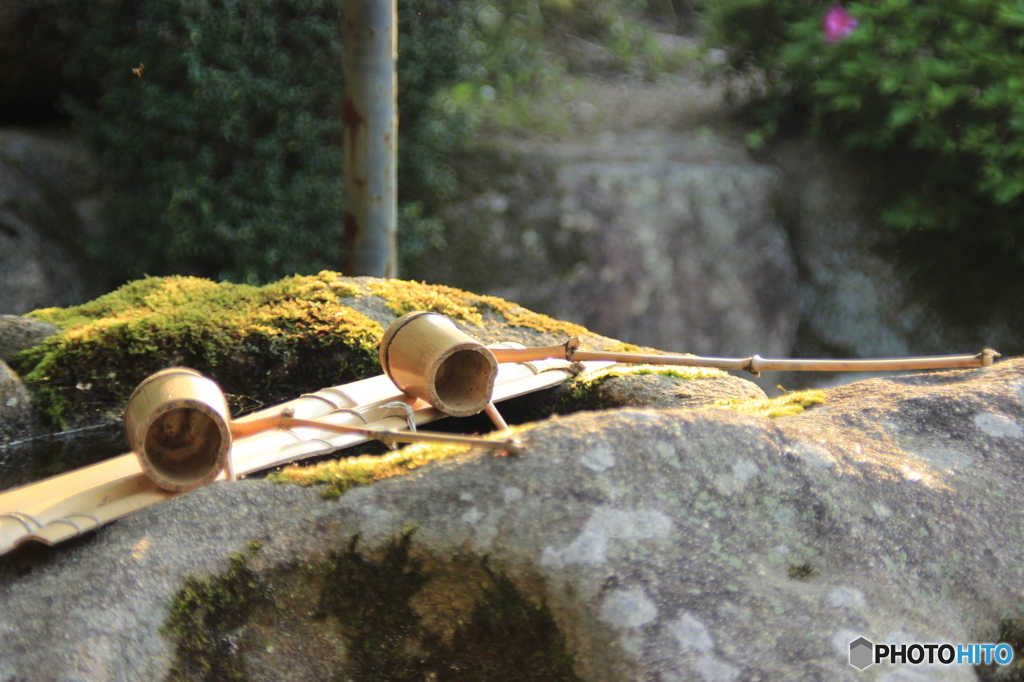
{"type": "Point", "coordinates": [666, 544]}
{"type": "Point", "coordinates": [664, 239]}
{"type": "Point", "coordinates": [18, 333]}
{"type": "Point", "coordinates": [857, 298]}
{"type": "Point", "coordinates": [48, 197]}
{"type": "Point", "coordinates": [15, 404]}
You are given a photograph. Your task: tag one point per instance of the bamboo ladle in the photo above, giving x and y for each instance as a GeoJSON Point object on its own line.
{"type": "Point", "coordinates": [428, 357]}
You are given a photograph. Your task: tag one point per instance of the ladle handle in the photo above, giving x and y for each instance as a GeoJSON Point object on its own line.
{"type": "Point", "coordinates": [755, 364]}
{"type": "Point", "coordinates": [284, 421]}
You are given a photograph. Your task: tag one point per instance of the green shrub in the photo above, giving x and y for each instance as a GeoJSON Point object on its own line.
{"type": "Point", "coordinates": [218, 122]}
{"type": "Point", "coordinates": [936, 87]}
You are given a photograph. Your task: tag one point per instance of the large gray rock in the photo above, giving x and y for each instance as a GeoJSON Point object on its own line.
{"type": "Point", "coordinates": [868, 292]}
{"type": "Point", "coordinates": [18, 333]}
{"type": "Point", "coordinates": [664, 239]}
{"type": "Point", "coordinates": [48, 202]}
{"type": "Point", "coordinates": [666, 544]}
{"type": "Point", "coordinates": [15, 404]}
{"type": "Point", "coordinates": [856, 299]}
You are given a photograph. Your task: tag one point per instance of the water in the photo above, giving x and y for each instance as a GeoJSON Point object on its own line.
{"type": "Point", "coordinates": [30, 459]}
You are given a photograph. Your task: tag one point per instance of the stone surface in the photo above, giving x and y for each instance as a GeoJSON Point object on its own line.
{"type": "Point", "coordinates": [664, 542]}
{"type": "Point", "coordinates": [15, 404]}
{"type": "Point", "coordinates": [18, 333]}
{"type": "Point", "coordinates": [661, 390]}
{"type": "Point", "coordinates": [664, 239]}
{"type": "Point", "coordinates": [856, 300]}
{"type": "Point", "coordinates": [868, 292]}
{"type": "Point", "coordinates": [47, 203]}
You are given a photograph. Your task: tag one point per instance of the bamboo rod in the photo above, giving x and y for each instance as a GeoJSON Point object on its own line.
{"type": "Point", "coordinates": [285, 422]}
{"type": "Point", "coordinates": [754, 364]}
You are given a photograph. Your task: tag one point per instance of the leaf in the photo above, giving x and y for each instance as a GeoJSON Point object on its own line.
{"type": "Point", "coordinates": [902, 115]}
{"type": "Point", "coordinates": [941, 98]}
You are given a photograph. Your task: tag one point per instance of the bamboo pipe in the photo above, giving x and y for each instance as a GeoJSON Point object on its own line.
{"type": "Point", "coordinates": [754, 364]}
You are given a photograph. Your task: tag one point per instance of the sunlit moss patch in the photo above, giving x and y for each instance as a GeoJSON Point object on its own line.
{"type": "Point", "coordinates": [772, 408]}
{"type": "Point", "coordinates": [338, 476]}
{"type": "Point", "coordinates": [272, 342]}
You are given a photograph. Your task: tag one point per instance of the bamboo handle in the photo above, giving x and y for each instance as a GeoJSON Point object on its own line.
{"type": "Point", "coordinates": [755, 364]}
{"type": "Point", "coordinates": [285, 421]}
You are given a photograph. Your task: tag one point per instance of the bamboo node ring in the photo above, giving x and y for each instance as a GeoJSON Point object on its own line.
{"type": "Point", "coordinates": [24, 518]}
{"type": "Point", "coordinates": [572, 344]}
{"type": "Point", "coordinates": [349, 410]}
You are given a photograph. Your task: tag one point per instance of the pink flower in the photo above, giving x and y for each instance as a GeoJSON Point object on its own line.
{"type": "Point", "coordinates": [838, 24]}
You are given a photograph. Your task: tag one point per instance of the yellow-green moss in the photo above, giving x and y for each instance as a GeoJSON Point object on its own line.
{"type": "Point", "coordinates": [783, 406]}
{"type": "Point", "coordinates": [338, 476]}
{"type": "Point", "coordinates": [405, 297]}
{"type": "Point", "coordinates": [582, 391]}
{"type": "Point", "coordinates": [262, 343]}
{"type": "Point", "coordinates": [519, 316]}
{"type": "Point", "coordinates": [596, 377]}
{"type": "Point", "coordinates": [203, 612]}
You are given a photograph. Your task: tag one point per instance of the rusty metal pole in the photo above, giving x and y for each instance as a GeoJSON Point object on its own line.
{"type": "Point", "coordinates": [370, 117]}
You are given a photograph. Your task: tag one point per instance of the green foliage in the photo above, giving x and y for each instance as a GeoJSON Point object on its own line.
{"type": "Point", "coordinates": [935, 88]}
{"type": "Point", "coordinates": [219, 124]}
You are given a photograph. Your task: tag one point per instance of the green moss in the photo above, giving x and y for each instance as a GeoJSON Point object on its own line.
{"type": "Point", "coordinates": [582, 393]}
{"type": "Point", "coordinates": [338, 476]}
{"type": "Point", "coordinates": [508, 638]}
{"type": "Point", "coordinates": [784, 406]}
{"type": "Point", "coordinates": [205, 614]}
{"type": "Point", "coordinates": [270, 343]}
{"type": "Point", "coordinates": [371, 601]}
{"type": "Point", "coordinates": [1010, 632]}
{"type": "Point", "coordinates": [375, 605]}
{"type": "Point", "coordinates": [801, 572]}
{"type": "Point", "coordinates": [518, 316]}
{"type": "Point", "coordinates": [405, 297]}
